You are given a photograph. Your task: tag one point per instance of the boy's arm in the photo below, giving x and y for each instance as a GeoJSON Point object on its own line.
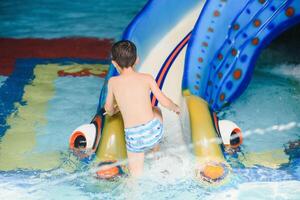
{"type": "Point", "coordinates": [109, 106]}
{"type": "Point", "coordinates": [161, 97]}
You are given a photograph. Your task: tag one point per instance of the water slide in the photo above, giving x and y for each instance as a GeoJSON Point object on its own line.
{"type": "Point", "coordinates": [202, 54]}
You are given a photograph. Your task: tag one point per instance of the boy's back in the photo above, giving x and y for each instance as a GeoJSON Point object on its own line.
{"type": "Point", "coordinates": [131, 91]}
{"type": "Point", "coordinates": [132, 94]}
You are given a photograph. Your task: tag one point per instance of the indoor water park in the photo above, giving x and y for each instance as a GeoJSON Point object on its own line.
{"type": "Point", "coordinates": [231, 69]}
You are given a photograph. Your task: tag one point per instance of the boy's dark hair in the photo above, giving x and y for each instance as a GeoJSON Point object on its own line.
{"type": "Point", "coordinates": [124, 53]}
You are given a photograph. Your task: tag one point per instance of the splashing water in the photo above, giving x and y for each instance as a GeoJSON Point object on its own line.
{"type": "Point", "coordinates": [170, 173]}
{"type": "Point", "coordinates": [268, 113]}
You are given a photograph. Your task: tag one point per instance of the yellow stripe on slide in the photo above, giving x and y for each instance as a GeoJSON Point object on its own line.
{"type": "Point", "coordinates": [18, 143]}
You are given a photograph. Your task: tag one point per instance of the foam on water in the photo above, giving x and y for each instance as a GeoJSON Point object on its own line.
{"type": "Point", "coordinates": [284, 70]}
{"type": "Point", "coordinates": [261, 190]}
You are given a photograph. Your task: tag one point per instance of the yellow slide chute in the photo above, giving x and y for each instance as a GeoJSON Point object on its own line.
{"type": "Point", "coordinates": [211, 164]}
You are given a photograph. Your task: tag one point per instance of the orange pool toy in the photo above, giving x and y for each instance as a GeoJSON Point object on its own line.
{"type": "Point", "coordinates": [108, 171]}
{"type": "Point", "coordinates": [213, 172]}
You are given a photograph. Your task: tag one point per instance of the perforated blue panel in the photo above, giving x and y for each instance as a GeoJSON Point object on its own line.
{"type": "Point", "coordinates": [226, 41]}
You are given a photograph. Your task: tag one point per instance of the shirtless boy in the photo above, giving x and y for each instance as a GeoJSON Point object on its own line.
{"type": "Point", "coordinates": [130, 91]}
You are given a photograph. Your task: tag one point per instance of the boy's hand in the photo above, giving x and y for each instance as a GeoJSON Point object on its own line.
{"type": "Point", "coordinates": [176, 109]}
{"type": "Point", "coordinates": [116, 110]}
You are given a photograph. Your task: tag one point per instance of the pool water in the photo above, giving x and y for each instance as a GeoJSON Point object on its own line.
{"type": "Point", "coordinates": [268, 166]}
{"type": "Point", "coordinates": [54, 18]}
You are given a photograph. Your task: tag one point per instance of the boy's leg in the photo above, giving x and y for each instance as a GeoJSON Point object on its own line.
{"type": "Point", "coordinates": [135, 163]}
{"type": "Point", "coordinates": [157, 114]}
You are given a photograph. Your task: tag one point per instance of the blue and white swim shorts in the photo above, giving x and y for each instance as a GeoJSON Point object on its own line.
{"type": "Point", "coordinates": [143, 137]}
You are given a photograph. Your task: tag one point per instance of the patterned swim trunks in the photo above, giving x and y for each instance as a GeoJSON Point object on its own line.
{"type": "Point", "coordinates": [143, 137]}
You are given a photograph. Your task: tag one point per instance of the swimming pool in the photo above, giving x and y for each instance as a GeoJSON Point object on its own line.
{"type": "Point", "coordinates": [36, 136]}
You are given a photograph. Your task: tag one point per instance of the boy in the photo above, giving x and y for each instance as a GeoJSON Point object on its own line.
{"type": "Point", "coordinates": [131, 90]}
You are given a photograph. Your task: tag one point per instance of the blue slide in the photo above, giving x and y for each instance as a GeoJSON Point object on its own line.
{"type": "Point", "coordinates": [226, 42]}
{"type": "Point", "coordinates": [202, 54]}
